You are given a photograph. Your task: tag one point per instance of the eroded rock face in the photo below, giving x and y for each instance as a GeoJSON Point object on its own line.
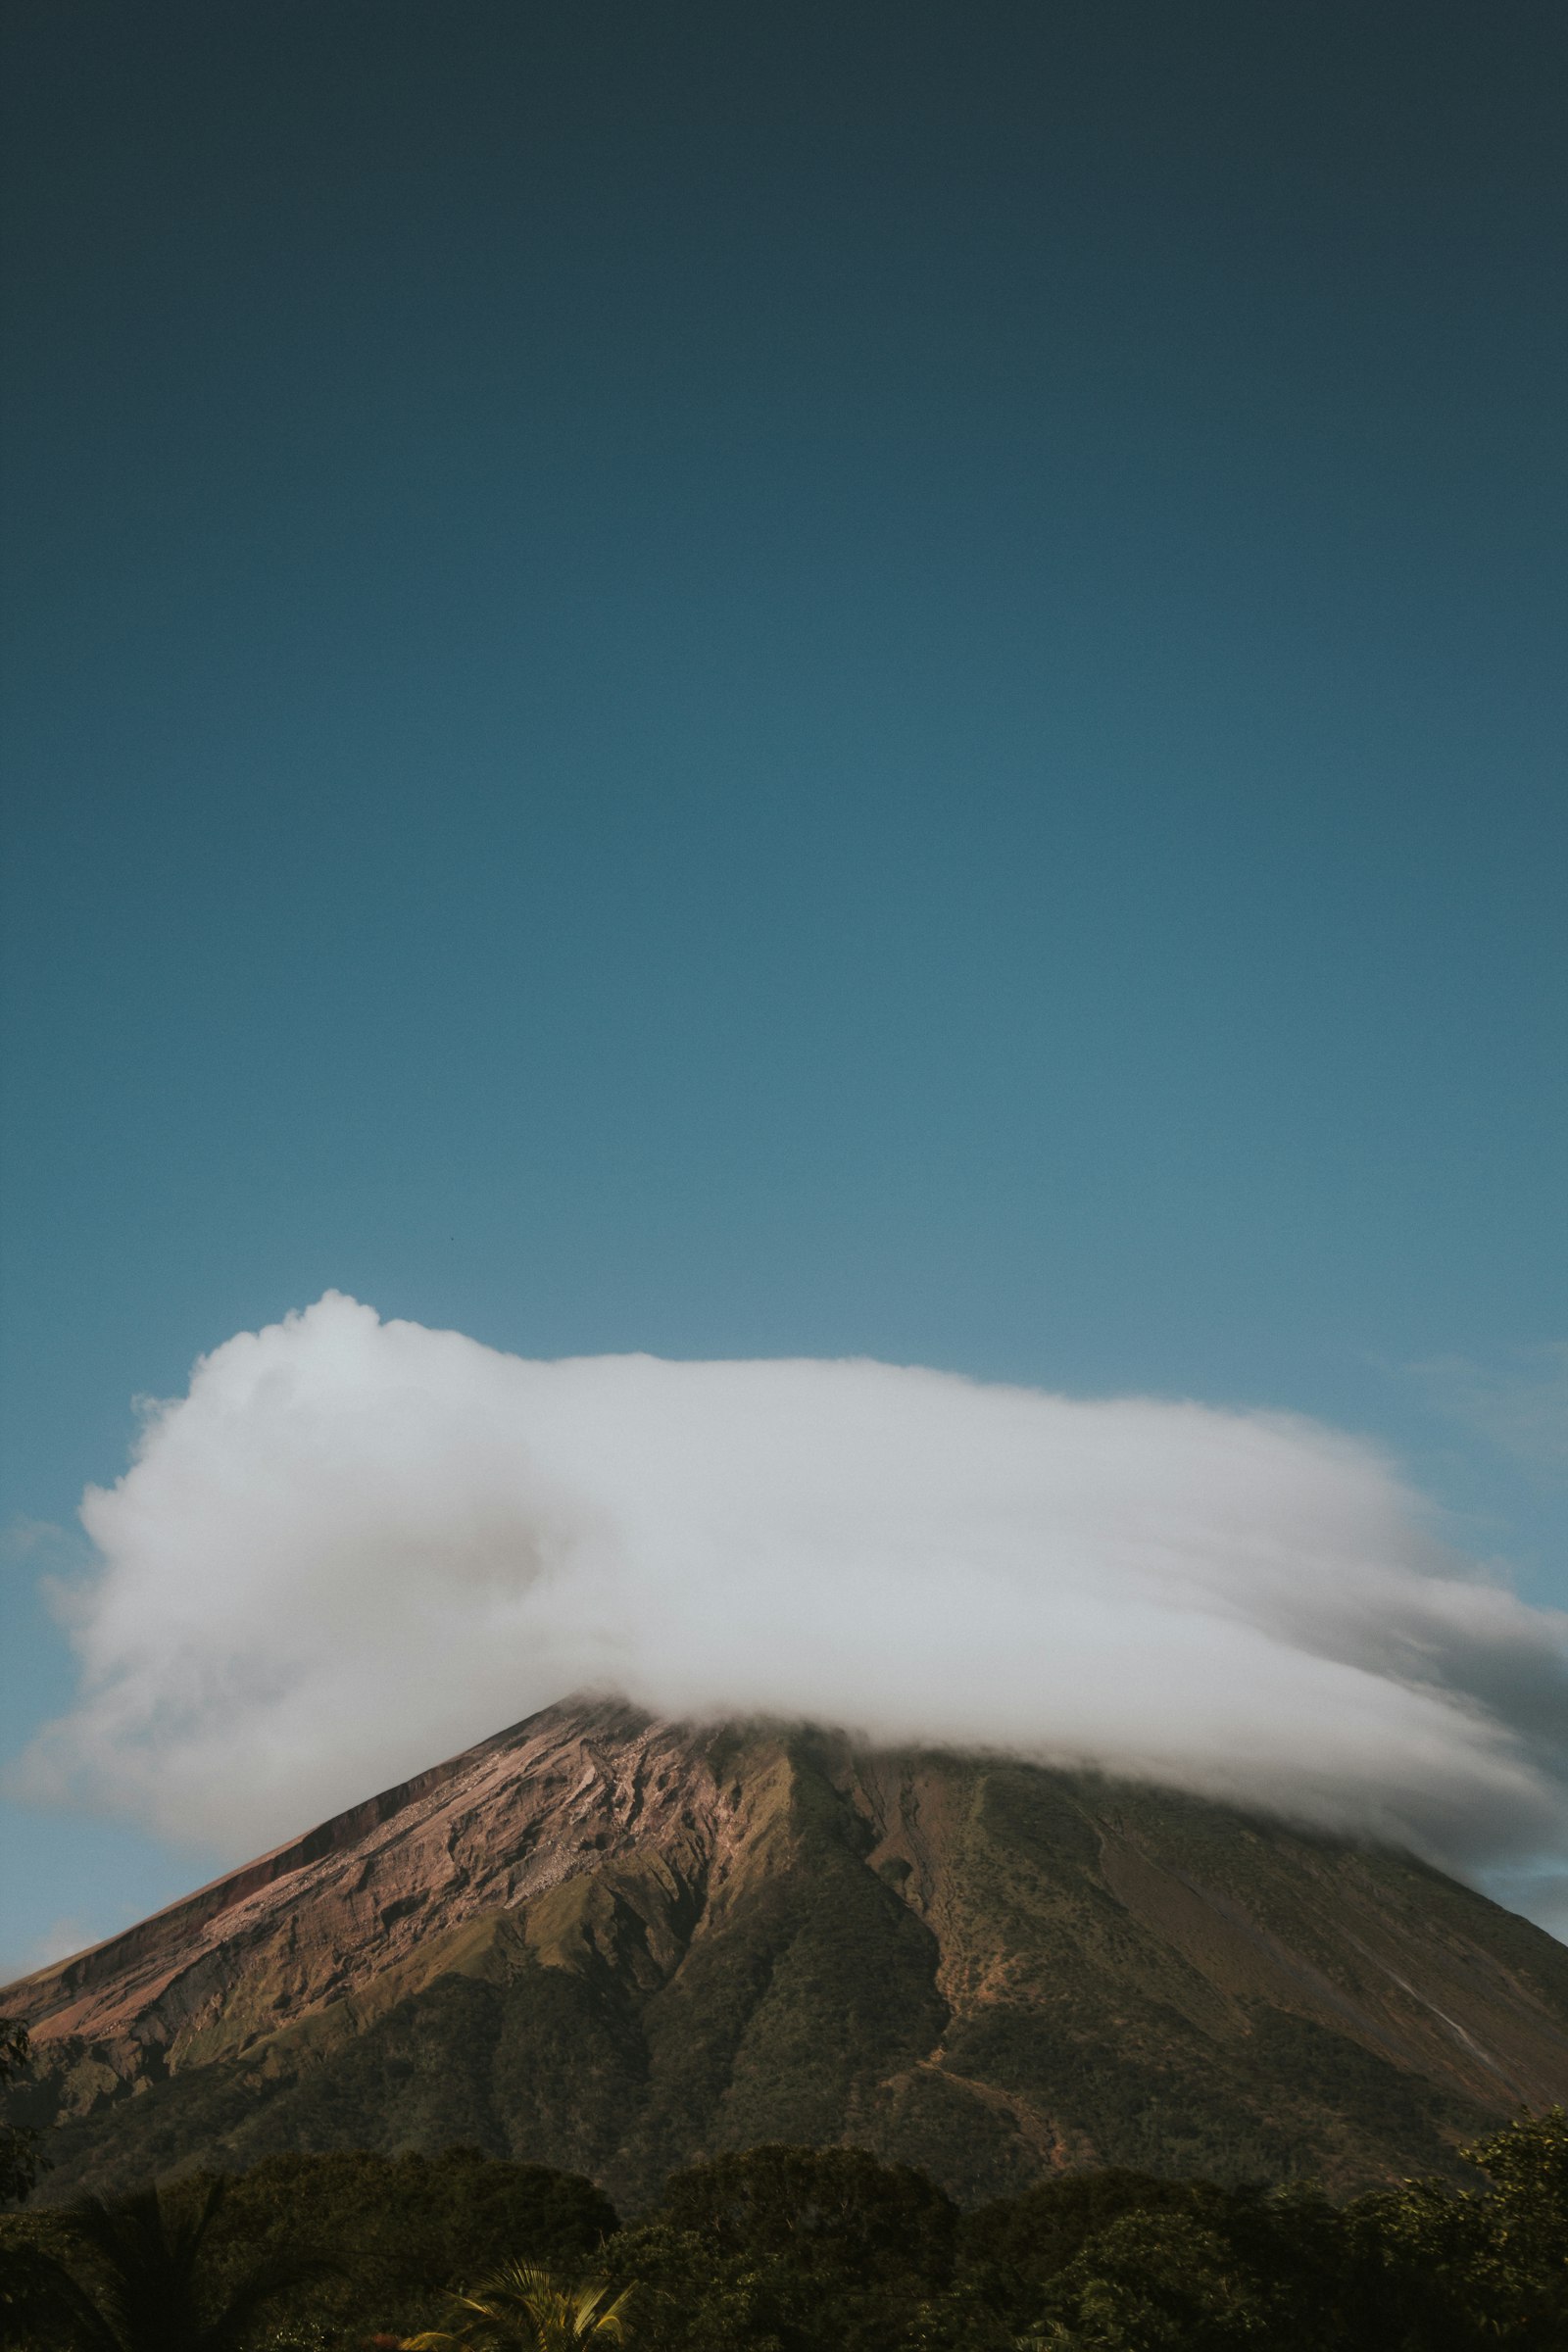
{"type": "Point", "coordinates": [378, 1888]}
{"type": "Point", "coordinates": [617, 1944]}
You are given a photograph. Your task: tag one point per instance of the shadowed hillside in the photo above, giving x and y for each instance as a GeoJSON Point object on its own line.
{"type": "Point", "coordinates": [617, 1945]}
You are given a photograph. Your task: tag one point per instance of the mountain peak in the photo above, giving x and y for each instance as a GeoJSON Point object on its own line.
{"type": "Point", "coordinates": [614, 1942]}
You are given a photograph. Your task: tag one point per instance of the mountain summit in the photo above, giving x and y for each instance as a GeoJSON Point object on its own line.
{"type": "Point", "coordinates": [617, 1944]}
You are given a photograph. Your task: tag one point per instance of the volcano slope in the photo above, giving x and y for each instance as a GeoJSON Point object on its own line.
{"type": "Point", "coordinates": [615, 1945]}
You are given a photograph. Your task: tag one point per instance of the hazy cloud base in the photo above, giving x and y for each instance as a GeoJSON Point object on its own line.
{"type": "Point", "coordinates": [355, 1546]}
{"type": "Point", "coordinates": [1521, 1407]}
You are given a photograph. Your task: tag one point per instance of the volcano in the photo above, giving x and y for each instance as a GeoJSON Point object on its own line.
{"type": "Point", "coordinates": [617, 1944]}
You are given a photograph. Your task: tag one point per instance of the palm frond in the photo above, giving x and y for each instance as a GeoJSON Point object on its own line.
{"type": "Point", "coordinates": [521, 2308]}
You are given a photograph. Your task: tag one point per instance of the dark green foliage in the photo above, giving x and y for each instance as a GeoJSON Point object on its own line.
{"type": "Point", "coordinates": [30, 2298]}
{"type": "Point", "coordinates": [19, 2160]}
{"type": "Point", "coordinates": [1208, 2267]}
{"type": "Point", "coordinates": [1035, 2236]}
{"type": "Point", "coordinates": [1456, 2274]}
{"type": "Point", "coordinates": [830, 2211]}
{"type": "Point", "coordinates": [1152, 2101]}
{"type": "Point", "coordinates": [139, 2275]}
{"type": "Point", "coordinates": [399, 2230]}
{"type": "Point", "coordinates": [1167, 2279]}
{"type": "Point", "coordinates": [568, 2064]}
{"type": "Point", "coordinates": [692, 2297]}
{"type": "Point", "coordinates": [868, 2246]}
{"type": "Point", "coordinates": [789, 2249]}
{"type": "Point", "coordinates": [800, 2253]}
{"type": "Point", "coordinates": [968, 2143]}
{"type": "Point", "coordinates": [1115, 2262]}
{"type": "Point", "coordinates": [1389, 2108]}
{"type": "Point", "coordinates": [354, 2241]}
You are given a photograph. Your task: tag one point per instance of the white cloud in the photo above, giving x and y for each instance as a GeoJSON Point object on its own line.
{"type": "Point", "coordinates": [356, 1546]}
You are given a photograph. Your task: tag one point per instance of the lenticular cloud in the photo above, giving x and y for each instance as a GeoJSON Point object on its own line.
{"type": "Point", "coordinates": [357, 1546]}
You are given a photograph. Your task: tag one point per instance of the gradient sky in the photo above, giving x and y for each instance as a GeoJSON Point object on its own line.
{"type": "Point", "coordinates": [851, 680]}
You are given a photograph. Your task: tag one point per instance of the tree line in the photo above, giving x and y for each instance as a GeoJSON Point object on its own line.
{"type": "Point", "coordinates": [783, 2249]}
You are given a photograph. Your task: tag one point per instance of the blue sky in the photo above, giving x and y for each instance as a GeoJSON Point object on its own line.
{"type": "Point", "coordinates": [872, 681]}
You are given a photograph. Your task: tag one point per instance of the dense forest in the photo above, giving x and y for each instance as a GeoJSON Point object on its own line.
{"type": "Point", "coordinates": [785, 2249]}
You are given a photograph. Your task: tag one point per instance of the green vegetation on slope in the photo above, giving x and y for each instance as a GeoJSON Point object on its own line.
{"type": "Point", "coordinates": [982, 1969]}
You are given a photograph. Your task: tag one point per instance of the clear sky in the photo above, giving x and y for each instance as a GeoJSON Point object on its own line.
{"type": "Point", "coordinates": [835, 680]}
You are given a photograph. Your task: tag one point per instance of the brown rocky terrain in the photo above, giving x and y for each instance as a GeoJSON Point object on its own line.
{"type": "Point", "coordinates": [617, 1944]}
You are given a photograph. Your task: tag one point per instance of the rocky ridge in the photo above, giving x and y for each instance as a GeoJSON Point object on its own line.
{"type": "Point", "coordinates": [615, 1943]}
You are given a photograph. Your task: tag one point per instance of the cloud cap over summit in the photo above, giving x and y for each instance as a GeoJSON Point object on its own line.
{"type": "Point", "coordinates": [357, 1546]}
